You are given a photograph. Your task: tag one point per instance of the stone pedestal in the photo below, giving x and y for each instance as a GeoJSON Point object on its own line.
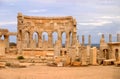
{"type": "Point", "coordinates": [84, 57]}
{"type": "Point", "coordinates": [93, 56]}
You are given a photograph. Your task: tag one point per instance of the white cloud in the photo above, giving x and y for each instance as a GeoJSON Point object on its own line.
{"type": "Point", "coordinates": [99, 34]}
{"type": "Point", "coordinates": [110, 17]}
{"type": "Point", "coordinates": [7, 23]}
{"type": "Point", "coordinates": [37, 11]}
{"type": "Point", "coordinates": [101, 23]}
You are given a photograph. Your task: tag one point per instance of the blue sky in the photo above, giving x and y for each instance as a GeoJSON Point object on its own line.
{"type": "Point", "coordinates": [93, 16]}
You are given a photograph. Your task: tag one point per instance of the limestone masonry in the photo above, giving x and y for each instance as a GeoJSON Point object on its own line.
{"type": "Point", "coordinates": [31, 42]}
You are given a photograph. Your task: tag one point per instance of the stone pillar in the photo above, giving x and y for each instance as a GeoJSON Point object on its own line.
{"type": "Point", "coordinates": [118, 37]}
{"type": "Point", "coordinates": [110, 38]}
{"type": "Point", "coordinates": [67, 39]}
{"type": "Point", "coordinates": [88, 50]}
{"type": "Point", "coordinates": [23, 40]}
{"type": "Point", "coordinates": [19, 42]}
{"type": "Point", "coordinates": [74, 38]}
{"type": "Point", "coordinates": [2, 47]}
{"type": "Point", "coordinates": [20, 19]}
{"type": "Point", "coordinates": [6, 43]}
{"type": "Point", "coordinates": [103, 36]}
{"type": "Point", "coordinates": [89, 40]}
{"type": "Point", "coordinates": [40, 40]}
{"type": "Point", "coordinates": [60, 38]}
{"type": "Point", "coordinates": [83, 40]}
{"type": "Point", "coordinates": [84, 57]}
{"type": "Point", "coordinates": [49, 39]}
{"type": "Point", "coordinates": [31, 40]}
{"type": "Point", "coordinates": [93, 56]}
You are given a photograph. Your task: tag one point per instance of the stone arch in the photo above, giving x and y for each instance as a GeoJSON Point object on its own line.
{"type": "Point", "coordinates": [35, 38]}
{"type": "Point", "coordinates": [63, 39]}
{"type": "Point", "coordinates": [54, 38]}
{"type": "Point", "coordinates": [116, 54]}
{"type": "Point", "coordinates": [70, 40]}
{"type": "Point", "coordinates": [44, 36]}
{"type": "Point", "coordinates": [106, 53]}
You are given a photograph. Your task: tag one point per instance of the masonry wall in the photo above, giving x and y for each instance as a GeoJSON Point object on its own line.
{"type": "Point", "coordinates": [31, 24]}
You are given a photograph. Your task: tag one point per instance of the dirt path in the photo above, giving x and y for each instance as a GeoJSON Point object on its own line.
{"type": "Point", "coordinates": [46, 72]}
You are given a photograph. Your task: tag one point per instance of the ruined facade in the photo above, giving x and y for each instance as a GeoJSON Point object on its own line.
{"type": "Point", "coordinates": [35, 38]}
{"type": "Point", "coordinates": [4, 41]}
{"type": "Point", "coordinates": [111, 50]}
{"type": "Point", "coordinates": [28, 25]}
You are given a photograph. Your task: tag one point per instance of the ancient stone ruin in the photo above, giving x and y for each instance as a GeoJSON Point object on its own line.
{"type": "Point", "coordinates": [33, 43]}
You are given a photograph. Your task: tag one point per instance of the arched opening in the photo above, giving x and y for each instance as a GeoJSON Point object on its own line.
{"type": "Point", "coordinates": [63, 39]}
{"type": "Point", "coordinates": [54, 38]}
{"type": "Point", "coordinates": [65, 52]}
{"type": "Point", "coordinates": [116, 54]}
{"type": "Point", "coordinates": [60, 52]}
{"type": "Point", "coordinates": [70, 34]}
{"type": "Point", "coordinates": [44, 36]}
{"type": "Point", "coordinates": [12, 41]}
{"type": "Point", "coordinates": [27, 39]}
{"type": "Point", "coordinates": [106, 53]}
{"type": "Point", "coordinates": [2, 37]}
{"type": "Point", "coordinates": [35, 38]}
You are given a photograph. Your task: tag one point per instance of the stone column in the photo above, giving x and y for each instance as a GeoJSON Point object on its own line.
{"type": "Point", "coordinates": [84, 57]}
{"type": "Point", "coordinates": [19, 42]}
{"type": "Point", "coordinates": [7, 43]}
{"type": "Point", "coordinates": [23, 40]}
{"type": "Point", "coordinates": [103, 36]}
{"type": "Point", "coordinates": [40, 40]}
{"type": "Point", "coordinates": [49, 39]}
{"type": "Point", "coordinates": [110, 38]}
{"type": "Point", "coordinates": [20, 19]}
{"type": "Point", "coordinates": [60, 38]}
{"type": "Point", "coordinates": [31, 41]}
{"type": "Point", "coordinates": [89, 40]}
{"type": "Point", "coordinates": [88, 50]}
{"type": "Point", "coordinates": [74, 38]}
{"type": "Point", "coordinates": [67, 39]}
{"type": "Point", "coordinates": [2, 47]}
{"type": "Point", "coordinates": [83, 40]}
{"type": "Point", "coordinates": [93, 56]}
{"type": "Point", "coordinates": [118, 37]}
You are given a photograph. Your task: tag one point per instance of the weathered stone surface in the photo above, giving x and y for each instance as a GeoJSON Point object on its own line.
{"type": "Point", "coordinates": [2, 64]}
{"type": "Point", "coordinates": [76, 63]}
{"type": "Point", "coordinates": [84, 57]}
{"type": "Point", "coordinates": [93, 56]}
{"type": "Point", "coordinates": [33, 24]}
{"type": "Point", "coordinates": [108, 62]}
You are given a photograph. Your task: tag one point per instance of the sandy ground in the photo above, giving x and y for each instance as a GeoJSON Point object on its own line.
{"type": "Point", "coordinates": [46, 72]}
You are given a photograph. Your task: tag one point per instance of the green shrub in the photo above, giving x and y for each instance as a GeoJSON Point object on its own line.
{"type": "Point", "coordinates": [20, 58]}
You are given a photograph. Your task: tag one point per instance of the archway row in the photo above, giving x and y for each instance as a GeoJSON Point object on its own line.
{"type": "Point", "coordinates": [44, 36]}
